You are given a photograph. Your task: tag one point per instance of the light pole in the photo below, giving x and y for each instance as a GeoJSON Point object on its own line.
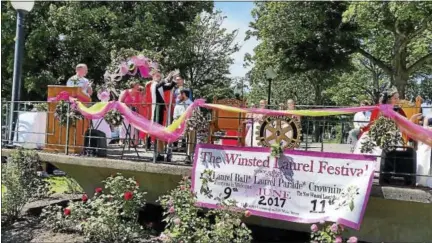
{"type": "Point", "coordinates": [270, 75]}
{"type": "Point", "coordinates": [22, 7]}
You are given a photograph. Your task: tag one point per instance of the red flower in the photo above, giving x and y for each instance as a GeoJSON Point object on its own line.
{"type": "Point", "coordinates": [98, 190]}
{"type": "Point", "coordinates": [84, 198]}
{"type": "Point", "coordinates": [128, 196]}
{"type": "Point", "coordinates": [67, 211]}
{"type": "Point", "coordinates": [247, 213]}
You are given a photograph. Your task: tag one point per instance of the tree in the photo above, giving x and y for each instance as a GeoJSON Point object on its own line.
{"type": "Point", "coordinates": [61, 34]}
{"type": "Point", "coordinates": [299, 50]}
{"type": "Point", "coordinates": [204, 55]}
{"type": "Point", "coordinates": [363, 82]}
{"type": "Point", "coordinates": [402, 30]}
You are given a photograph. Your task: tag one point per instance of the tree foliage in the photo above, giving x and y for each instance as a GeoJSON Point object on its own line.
{"type": "Point", "coordinates": [204, 55]}
{"type": "Point", "coordinates": [61, 34]}
{"type": "Point", "coordinates": [341, 50]}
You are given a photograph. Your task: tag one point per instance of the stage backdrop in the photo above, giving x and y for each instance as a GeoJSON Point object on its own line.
{"type": "Point", "coordinates": [300, 186]}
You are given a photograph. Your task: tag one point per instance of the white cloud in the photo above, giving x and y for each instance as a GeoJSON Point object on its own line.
{"type": "Point", "coordinates": [231, 23]}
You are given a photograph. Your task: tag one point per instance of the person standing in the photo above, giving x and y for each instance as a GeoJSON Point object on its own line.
{"type": "Point", "coordinates": [361, 120]}
{"type": "Point", "coordinates": [181, 86]}
{"type": "Point", "coordinates": [292, 106]}
{"type": "Point", "coordinates": [159, 96]}
{"type": "Point", "coordinates": [79, 80]}
{"type": "Point", "coordinates": [183, 103]}
{"type": "Point", "coordinates": [134, 98]}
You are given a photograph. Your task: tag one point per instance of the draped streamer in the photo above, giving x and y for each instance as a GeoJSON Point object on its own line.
{"type": "Point", "coordinates": [413, 131]}
{"type": "Point", "coordinates": [176, 129]}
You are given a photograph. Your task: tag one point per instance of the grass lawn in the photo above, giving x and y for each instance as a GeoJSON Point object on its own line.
{"type": "Point", "coordinates": [59, 184]}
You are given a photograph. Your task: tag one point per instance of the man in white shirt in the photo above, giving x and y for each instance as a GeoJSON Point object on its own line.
{"type": "Point", "coordinates": [182, 105]}
{"type": "Point", "coordinates": [361, 119]}
{"type": "Point", "coordinates": [79, 80]}
{"type": "Point", "coordinates": [179, 109]}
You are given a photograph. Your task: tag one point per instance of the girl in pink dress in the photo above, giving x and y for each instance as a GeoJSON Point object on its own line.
{"type": "Point", "coordinates": [134, 98]}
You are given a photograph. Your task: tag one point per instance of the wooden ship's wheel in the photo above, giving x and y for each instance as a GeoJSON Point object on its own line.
{"type": "Point", "coordinates": [282, 130]}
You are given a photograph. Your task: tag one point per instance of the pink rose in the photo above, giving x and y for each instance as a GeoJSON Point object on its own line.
{"type": "Point", "coordinates": [338, 239]}
{"type": "Point", "coordinates": [314, 228]}
{"type": "Point", "coordinates": [334, 228]}
{"type": "Point", "coordinates": [171, 210]}
{"type": "Point", "coordinates": [176, 221]}
{"type": "Point", "coordinates": [352, 239]}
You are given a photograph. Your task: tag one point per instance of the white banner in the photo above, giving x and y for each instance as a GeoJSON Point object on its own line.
{"type": "Point", "coordinates": [300, 186]}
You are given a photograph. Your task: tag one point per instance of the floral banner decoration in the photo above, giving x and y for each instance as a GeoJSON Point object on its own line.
{"type": "Point", "coordinates": [175, 130]}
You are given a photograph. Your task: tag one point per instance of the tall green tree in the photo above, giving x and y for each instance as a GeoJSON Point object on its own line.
{"type": "Point", "coordinates": [396, 36]}
{"type": "Point", "coordinates": [300, 47]}
{"type": "Point", "coordinates": [61, 34]}
{"type": "Point", "coordinates": [204, 55]}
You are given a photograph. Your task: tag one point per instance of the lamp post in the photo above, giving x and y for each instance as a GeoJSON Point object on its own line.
{"type": "Point", "coordinates": [270, 75]}
{"type": "Point", "coordinates": [22, 7]}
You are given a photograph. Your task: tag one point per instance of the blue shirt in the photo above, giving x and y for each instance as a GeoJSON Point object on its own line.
{"type": "Point", "coordinates": [74, 81]}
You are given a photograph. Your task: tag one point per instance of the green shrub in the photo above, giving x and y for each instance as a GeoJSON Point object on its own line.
{"type": "Point", "coordinates": [21, 181]}
{"type": "Point", "coordinates": [109, 216]}
{"type": "Point", "coordinates": [188, 223]}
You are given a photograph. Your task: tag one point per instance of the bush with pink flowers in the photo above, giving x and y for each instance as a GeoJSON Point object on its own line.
{"type": "Point", "coordinates": [109, 216]}
{"type": "Point", "coordinates": [188, 223]}
{"type": "Point", "coordinates": [331, 232]}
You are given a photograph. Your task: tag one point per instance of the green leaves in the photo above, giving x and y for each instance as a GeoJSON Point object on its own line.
{"type": "Point", "coordinates": [59, 35]}
{"type": "Point", "coordinates": [318, 39]}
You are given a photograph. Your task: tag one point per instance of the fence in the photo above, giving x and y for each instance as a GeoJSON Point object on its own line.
{"type": "Point", "coordinates": [325, 134]}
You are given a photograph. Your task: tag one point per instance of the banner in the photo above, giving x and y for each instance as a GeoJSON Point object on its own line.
{"type": "Point", "coordinates": [300, 186]}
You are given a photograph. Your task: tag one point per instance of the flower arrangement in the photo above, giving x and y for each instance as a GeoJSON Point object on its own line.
{"type": "Point", "coordinates": [114, 118]}
{"type": "Point", "coordinates": [109, 216]}
{"type": "Point", "coordinates": [383, 133]}
{"type": "Point", "coordinates": [197, 122]}
{"type": "Point", "coordinates": [41, 107]}
{"type": "Point", "coordinates": [65, 111]}
{"type": "Point", "coordinates": [329, 233]}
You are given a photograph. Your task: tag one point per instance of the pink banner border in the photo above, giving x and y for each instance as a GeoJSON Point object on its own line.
{"type": "Point", "coordinates": [294, 219]}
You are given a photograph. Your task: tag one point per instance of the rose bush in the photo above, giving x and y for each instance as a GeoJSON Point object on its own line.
{"type": "Point", "coordinates": [189, 223]}
{"type": "Point", "coordinates": [109, 216]}
{"type": "Point", "coordinates": [331, 232]}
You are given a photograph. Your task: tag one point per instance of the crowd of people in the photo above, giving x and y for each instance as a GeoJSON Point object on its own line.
{"type": "Point", "coordinates": [164, 100]}
{"type": "Point", "coordinates": [160, 100]}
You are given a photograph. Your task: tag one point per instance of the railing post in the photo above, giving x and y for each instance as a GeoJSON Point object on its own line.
{"type": "Point", "coordinates": [67, 130]}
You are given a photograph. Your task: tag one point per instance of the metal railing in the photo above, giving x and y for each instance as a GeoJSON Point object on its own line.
{"type": "Point", "coordinates": [325, 134]}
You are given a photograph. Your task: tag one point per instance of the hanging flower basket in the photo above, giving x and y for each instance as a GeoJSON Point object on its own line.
{"type": "Point", "coordinates": [383, 134]}
{"type": "Point", "coordinates": [66, 110]}
{"type": "Point", "coordinates": [114, 118]}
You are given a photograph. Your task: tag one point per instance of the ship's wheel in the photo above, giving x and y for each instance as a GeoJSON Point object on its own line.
{"type": "Point", "coordinates": [282, 130]}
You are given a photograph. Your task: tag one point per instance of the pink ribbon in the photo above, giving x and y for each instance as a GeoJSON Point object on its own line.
{"type": "Point", "coordinates": [64, 95]}
{"type": "Point", "coordinates": [411, 129]}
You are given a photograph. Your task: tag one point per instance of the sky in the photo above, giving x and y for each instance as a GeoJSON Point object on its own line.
{"type": "Point", "coordinates": [238, 17]}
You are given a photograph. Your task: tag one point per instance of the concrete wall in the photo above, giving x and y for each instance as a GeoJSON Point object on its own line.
{"type": "Point", "coordinates": [385, 220]}
{"type": "Point", "coordinates": [393, 214]}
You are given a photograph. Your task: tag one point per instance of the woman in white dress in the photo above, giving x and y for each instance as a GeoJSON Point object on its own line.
{"type": "Point", "coordinates": [424, 159]}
